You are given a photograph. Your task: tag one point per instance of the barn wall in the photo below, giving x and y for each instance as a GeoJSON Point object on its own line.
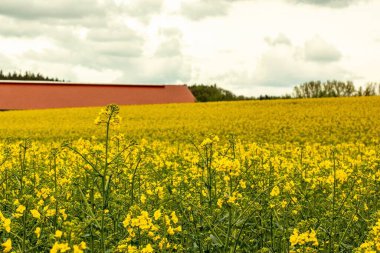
{"type": "Point", "coordinates": [50, 95]}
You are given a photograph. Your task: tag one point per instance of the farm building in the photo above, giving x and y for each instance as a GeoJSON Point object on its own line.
{"type": "Point", "coordinates": [41, 95]}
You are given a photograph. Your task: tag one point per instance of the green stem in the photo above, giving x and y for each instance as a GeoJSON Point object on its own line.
{"type": "Point", "coordinates": [104, 196]}
{"type": "Point", "coordinates": [332, 230]}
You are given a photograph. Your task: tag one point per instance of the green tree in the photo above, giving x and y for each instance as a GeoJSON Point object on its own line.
{"type": "Point", "coordinates": [207, 93]}
{"type": "Point", "coordinates": [317, 89]}
{"type": "Point", "coordinates": [27, 76]}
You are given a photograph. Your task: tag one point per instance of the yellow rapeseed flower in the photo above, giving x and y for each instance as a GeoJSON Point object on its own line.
{"type": "Point", "coordinates": [170, 230]}
{"type": "Point", "coordinates": [58, 234]}
{"type": "Point", "coordinates": [220, 203]}
{"type": "Point", "coordinates": [275, 191]}
{"type": "Point", "coordinates": [20, 209]}
{"type": "Point", "coordinates": [80, 248]}
{"type": "Point", "coordinates": [35, 213]}
{"type": "Point", "coordinates": [37, 231]}
{"type": "Point", "coordinates": [60, 247]}
{"type": "Point", "coordinates": [7, 245]}
{"type": "Point", "coordinates": [147, 249]}
{"type": "Point", "coordinates": [174, 217]}
{"type": "Point", "coordinates": [143, 198]}
{"type": "Point", "coordinates": [157, 214]}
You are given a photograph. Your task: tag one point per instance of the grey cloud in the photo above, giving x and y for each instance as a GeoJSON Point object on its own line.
{"type": "Point", "coordinates": [91, 36]}
{"type": "Point", "coordinates": [31, 29]}
{"type": "Point", "coordinates": [94, 55]}
{"type": "Point", "coordinates": [319, 50]}
{"type": "Point", "coordinates": [201, 9]}
{"type": "Point", "coordinates": [328, 3]}
{"type": "Point", "coordinates": [96, 50]}
{"type": "Point", "coordinates": [145, 7]}
{"type": "Point", "coordinates": [113, 41]}
{"type": "Point", "coordinates": [57, 9]}
{"type": "Point", "coordinates": [141, 9]}
{"type": "Point", "coordinates": [113, 33]}
{"type": "Point", "coordinates": [281, 39]}
{"type": "Point", "coordinates": [118, 49]}
{"type": "Point", "coordinates": [97, 59]}
{"type": "Point", "coordinates": [169, 48]}
{"type": "Point", "coordinates": [11, 28]}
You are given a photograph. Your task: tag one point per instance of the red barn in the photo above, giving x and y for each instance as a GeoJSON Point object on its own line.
{"type": "Point", "coordinates": [41, 95]}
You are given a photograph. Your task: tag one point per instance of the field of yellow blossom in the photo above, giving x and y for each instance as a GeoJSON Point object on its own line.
{"type": "Point", "coordinates": [252, 176]}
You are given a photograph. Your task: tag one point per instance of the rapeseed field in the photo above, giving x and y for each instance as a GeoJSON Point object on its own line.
{"type": "Point", "coordinates": [328, 120]}
{"type": "Point", "coordinates": [252, 176]}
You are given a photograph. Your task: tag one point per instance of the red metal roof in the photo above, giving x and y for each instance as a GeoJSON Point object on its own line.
{"type": "Point", "coordinates": [40, 95]}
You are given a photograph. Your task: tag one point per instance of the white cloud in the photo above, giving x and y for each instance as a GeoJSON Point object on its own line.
{"type": "Point", "coordinates": [282, 66]}
{"type": "Point", "coordinates": [281, 39]}
{"type": "Point", "coordinates": [317, 49]}
{"type": "Point", "coordinates": [285, 67]}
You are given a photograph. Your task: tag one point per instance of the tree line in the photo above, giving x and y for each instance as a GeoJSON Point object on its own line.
{"type": "Point", "coordinates": [312, 89]}
{"type": "Point", "coordinates": [208, 93]}
{"type": "Point", "coordinates": [26, 76]}
{"type": "Point", "coordinates": [334, 88]}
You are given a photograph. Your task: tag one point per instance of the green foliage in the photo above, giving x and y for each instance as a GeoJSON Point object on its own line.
{"type": "Point", "coordinates": [207, 93]}
{"type": "Point", "coordinates": [268, 97]}
{"type": "Point", "coordinates": [27, 76]}
{"type": "Point", "coordinates": [334, 88]}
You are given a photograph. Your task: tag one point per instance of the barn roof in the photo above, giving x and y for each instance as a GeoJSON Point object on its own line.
{"type": "Point", "coordinates": [41, 95]}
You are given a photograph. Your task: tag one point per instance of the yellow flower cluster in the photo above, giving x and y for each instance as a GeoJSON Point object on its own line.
{"type": "Point", "coordinates": [64, 247]}
{"type": "Point", "coordinates": [372, 244]}
{"type": "Point", "coordinates": [308, 237]}
{"type": "Point", "coordinates": [143, 225]}
{"type": "Point", "coordinates": [6, 222]}
{"type": "Point", "coordinates": [7, 245]}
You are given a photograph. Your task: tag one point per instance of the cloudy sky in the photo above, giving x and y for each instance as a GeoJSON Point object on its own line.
{"type": "Point", "coordinates": [250, 47]}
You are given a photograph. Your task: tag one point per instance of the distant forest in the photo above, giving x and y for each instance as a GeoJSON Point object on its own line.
{"type": "Point", "coordinates": [26, 76]}
{"type": "Point", "coordinates": [312, 89]}
{"type": "Point", "coordinates": [209, 93]}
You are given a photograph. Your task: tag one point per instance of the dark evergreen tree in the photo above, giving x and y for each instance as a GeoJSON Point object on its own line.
{"type": "Point", "coordinates": [27, 76]}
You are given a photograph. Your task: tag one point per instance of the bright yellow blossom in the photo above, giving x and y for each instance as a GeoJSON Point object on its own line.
{"type": "Point", "coordinates": [20, 209]}
{"type": "Point", "coordinates": [157, 214]}
{"type": "Point", "coordinates": [275, 191]}
{"type": "Point", "coordinates": [147, 249]}
{"type": "Point", "coordinates": [7, 245]}
{"type": "Point", "coordinates": [35, 213]}
{"type": "Point", "coordinates": [58, 234]}
{"type": "Point", "coordinates": [37, 231]}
